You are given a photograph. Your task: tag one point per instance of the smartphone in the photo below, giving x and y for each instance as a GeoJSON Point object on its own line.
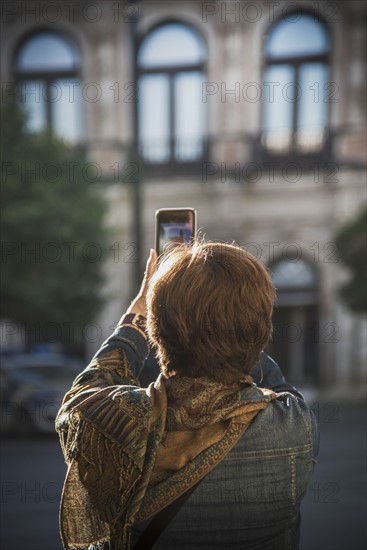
{"type": "Point", "coordinates": [174, 226]}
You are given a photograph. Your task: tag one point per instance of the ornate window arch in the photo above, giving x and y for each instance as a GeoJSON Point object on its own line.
{"type": "Point", "coordinates": [47, 69]}
{"type": "Point", "coordinates": [171, 64]}
{"type": "Point", "coordinates": [295, 83]}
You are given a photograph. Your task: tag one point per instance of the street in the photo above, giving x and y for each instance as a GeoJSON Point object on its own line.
{"type": "Point", "coordinates": [334, 508]}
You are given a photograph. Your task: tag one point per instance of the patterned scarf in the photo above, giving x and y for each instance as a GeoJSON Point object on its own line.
{"type": "Point", "coordinates": [132, 459]}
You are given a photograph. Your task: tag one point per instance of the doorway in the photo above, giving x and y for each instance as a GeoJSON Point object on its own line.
{"type": "Point", "coordinates": [294, 345]}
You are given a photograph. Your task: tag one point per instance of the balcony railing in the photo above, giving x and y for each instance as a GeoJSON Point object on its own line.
{"type": "Point", "coordinates": [173, 156]}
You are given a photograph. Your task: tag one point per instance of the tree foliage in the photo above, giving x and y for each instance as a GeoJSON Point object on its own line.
{"type": "Point", "coordinates": [53, 238]}
{"type": "Point", "coordinates": [351, 242]}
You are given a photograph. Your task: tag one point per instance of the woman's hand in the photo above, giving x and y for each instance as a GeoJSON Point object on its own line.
{"type": "Point", "coordinates": [138, 305]}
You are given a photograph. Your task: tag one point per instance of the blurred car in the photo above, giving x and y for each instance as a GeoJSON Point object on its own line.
{"type": "Point", "coordinates": [31, 390]}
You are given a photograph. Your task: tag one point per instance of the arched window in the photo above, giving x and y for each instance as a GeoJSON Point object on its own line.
{"type": "Point", "coordinates": [296, 93]}
{"type": "Point", "coordinates": [293, 275]}
{"type": "Point", "coordinates": [171, 118]}
{"type": "Point", "coordinates": [47, 68]}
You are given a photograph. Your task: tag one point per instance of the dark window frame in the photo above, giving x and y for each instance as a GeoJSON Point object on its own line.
{"type": "Point", "coordinates": [172, 166]}
{"type": "Point", "coordinates": [260, 151]}
{"type": "Point", "coordinates": [48, 77]}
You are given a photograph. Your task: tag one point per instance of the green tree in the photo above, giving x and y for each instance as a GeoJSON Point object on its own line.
{"type": "Point", "coordinates": [351, 242]}
{"type": "Point", "coordinates": [53, 237]}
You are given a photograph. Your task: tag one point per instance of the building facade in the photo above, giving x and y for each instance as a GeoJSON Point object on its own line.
{"type": "Point", "coordinates": [254, 113]}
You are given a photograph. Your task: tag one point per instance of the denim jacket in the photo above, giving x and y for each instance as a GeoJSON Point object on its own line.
{"type": "Point", "coordinates": [251, 500]}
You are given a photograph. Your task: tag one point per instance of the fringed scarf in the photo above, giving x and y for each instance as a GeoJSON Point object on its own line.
{"type": "Point", "coordinates": [132, 451]}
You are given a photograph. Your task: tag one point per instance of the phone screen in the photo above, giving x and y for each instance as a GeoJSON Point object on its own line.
{"type": "Point", "coordinates": [174, 227]}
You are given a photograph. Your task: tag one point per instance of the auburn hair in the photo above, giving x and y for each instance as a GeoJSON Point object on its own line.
{"type": "Point", "coordinates": [209, 308]}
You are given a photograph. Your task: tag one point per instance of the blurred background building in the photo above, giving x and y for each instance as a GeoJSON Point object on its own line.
{"type": "Point", "coordinates": [254, 113]}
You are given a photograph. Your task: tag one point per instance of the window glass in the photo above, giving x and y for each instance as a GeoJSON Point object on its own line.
{"type": "Point", "coordinates": [48, 52]}
{"type": "Point", "coordinates": [47, 70]}
{"type": "Point", "coordinates": [278, 96]}
{"type": "Point", "coordinates": [312, 111]}
{"type": "Point", "coordinates": [171, 113]}
{"type": "Point", "coordinates": [67, 110]}
{"type": "Point", "coordinates": [295, 84]}
{"type": "Point", "coordinates": [173, 44]}
{"type": "Point", "coordinates": [153, 106]}
{"type": "Point", "coordinates": [295, 36]}
{"type": "Point", "coordinates": [189, 116]}
{"type": "Point", "coordinates": [293, 274]}
{"type": "Point", "coordinates": [32, 100]}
